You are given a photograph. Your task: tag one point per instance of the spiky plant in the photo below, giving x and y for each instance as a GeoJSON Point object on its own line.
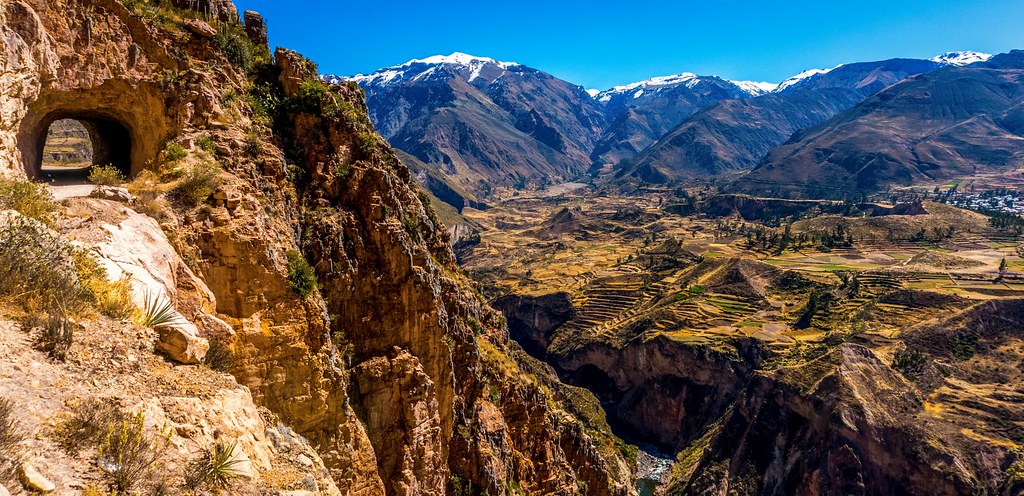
{"type": "Point", "coordinates": [215, 468]}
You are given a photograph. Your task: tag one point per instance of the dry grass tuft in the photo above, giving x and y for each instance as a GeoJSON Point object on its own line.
{"type": "Point", "coordinates": [84, 423]}
{"type": "Point", "coordinates": [11, 436]}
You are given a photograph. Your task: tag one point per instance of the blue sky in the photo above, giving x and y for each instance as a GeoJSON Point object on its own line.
{"type": "Point", "coordinates": [599, 44]}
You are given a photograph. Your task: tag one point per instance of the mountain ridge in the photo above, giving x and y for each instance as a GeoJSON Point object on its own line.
{"type": "Point", "coordinates": [492, 127]}
{"type": "Point", "coordinates": [937, 126]}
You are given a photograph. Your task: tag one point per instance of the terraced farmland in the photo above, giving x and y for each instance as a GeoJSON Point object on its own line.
{"type": "Point", "coordinates": [634, 270]}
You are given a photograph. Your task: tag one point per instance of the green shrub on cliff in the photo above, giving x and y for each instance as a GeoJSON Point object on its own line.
{"type": "Point", "coordinates": [239, 49]}
{"type": "Point", "coordinates": [129, 454]}
{"type": "Point", "coordinates": [175, 152]}
{"type": "Point", "coordinates": [106, 175]}
{"type": "Point", "coordinates": [264, 102]}
{"type": "Point", "coordinates": [300, 274]}
{"type": "Point", "coordinates": [40, 277]}
{"type": "Point", "coordinates": [30, 199]}
{"type": "Point", "coordinates": [367, 143]}
{"type": "Point", "coordinates": [215, 469]}
{"type": "Point", "coordinates": [198, 182]}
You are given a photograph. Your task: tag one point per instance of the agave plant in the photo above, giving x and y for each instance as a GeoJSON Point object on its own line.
{"type": "Point", "coordinates": [215, 468]}
{"type": "Point", "coordinates": [158, 312]}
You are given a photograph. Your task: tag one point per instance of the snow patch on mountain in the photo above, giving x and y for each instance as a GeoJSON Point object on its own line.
{"type": "Point", "coordinates": [459, 58]}
{"type": "Point", "coordinates": [687, 78]}
{"type": "Point", "coordinates": [966, 57]}
{"type": "Point", "coordinates": [793, 80]}
{"type": "Point", "coordinates": [593, 93]}
{"type": "Point", "coordinates": [755, 88]}
{"type": "Point", "coordinates": [417, 69]}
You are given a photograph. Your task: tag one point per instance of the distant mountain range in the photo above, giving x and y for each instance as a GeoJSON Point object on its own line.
{"type": "Point", "coordinates": [483, 123]}
{"type": "Point", "coordinates": [948, 123]}
{"type": "Point", "coordinates": [475, 125]}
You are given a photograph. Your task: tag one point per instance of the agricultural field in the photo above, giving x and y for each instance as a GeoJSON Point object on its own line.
{"type": "Point", "coordinates": [634, 268]}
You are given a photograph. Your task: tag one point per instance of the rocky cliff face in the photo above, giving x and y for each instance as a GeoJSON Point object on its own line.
{"type": "Point", "coordinates": [402, 380]}
{"type": "Point", "coordinates": [845, 423]}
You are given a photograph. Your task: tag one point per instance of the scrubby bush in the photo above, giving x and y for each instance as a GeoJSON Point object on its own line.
{"type": "Point", "coordinates": [128, 454]}
{"type": "Point", "coordinates": [300, 274]}
{"type": "Point", "coordinates": [367, 143]}
{"type": "Point", "coordinates": [252, 145]}
{"type": "Point", "coordinates": [219, 357]}
{"type": "Point", "coordinates": [343, 172]}
{"type": "Point", "coordinates": [215, 468]}
{"type": "Point", "coordinates": [964, 345]}
{"type": "Point", "coordinates": [10, 430]}
{"type": "Point", "coordinates": [30, 199]}
{"type": "Point", "coordinates": [239, 49]}
{"type": "Point", "coordinates": [39, 275]}
{"type": "Point", "coordinates": [313, 90]}
{"type": "Point", "coordinates": [909, 361]}
{"type": "Point", "coordinates": [56, 336]}
{"type": "Point", "coordinates": [175, 152]}
{"type": "Point", "coordinates": [198, 182]}
{"type": "Point", "coordinates": [113, 299]}
{"type": "Point", "coordinates": [411, 223]}
{"type": "Point", "coordinates": [84, 424]}
{"type": "Point", "coordinates": [206, 143]}
{"type": "Point", "coordinates": [11, 436]}
{"type": "Point", "coordinates": [263, 101]}
{"type": "Point", "coordinates": [106, 175]}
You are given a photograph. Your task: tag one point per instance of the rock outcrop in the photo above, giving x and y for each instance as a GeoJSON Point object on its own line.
{"type": "Point", "coordinates": [845, 423]}
{"type": "Point", "coordinates": [533, 319]}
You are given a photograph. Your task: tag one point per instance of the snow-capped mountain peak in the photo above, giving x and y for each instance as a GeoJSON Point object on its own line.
{"type": "Point", "coordinates": [459, 58]}
{"type": "Point", "coordinates": [796, 79]}
{"type": "Point", "coordinates": [755, 88]}
{"type": "Point", "coordinates": [640, 87]}
{"type": "Point", "coordinates": [417, 69]}
{"type": "Point", "coordinates": [961, 58]}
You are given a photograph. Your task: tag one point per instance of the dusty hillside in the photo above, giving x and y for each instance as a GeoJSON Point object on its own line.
{"type": "Point", "coordinates": [329, 279]}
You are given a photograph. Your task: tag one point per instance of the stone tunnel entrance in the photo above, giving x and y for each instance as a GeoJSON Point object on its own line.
{"type": "Point", "coordinates": [71, 147]}
{"type": "Point", "coordinates": [118, 123]}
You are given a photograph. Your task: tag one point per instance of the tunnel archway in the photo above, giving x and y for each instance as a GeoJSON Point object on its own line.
{"type": "Point", "coordinates": [71, 146]}
{"type": "Point", "coordinates": [127, 124]}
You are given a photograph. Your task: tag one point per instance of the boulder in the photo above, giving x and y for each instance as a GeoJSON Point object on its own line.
{"type": "Point", "coordinates": [4, 491]}
{"type": "Point", "coordinates": [212, 327]}
{"type": "Point", "coordinates": [200, 28]}
{"type": "Point", "coordinates": [181, 342]}
{"type": "Point", "coordinates": [34, 481]}
{"type": "Point", "coordinates": [112, 193]}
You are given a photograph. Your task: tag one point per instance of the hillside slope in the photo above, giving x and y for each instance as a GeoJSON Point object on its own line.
{"type": "Point", "coordinates": [946, 124]}
{"type": "Point", "coordinates": [482, 123]}
{"type": "Point", "coordinates": [733, 135]}
{"type": "Point", "coordinates": [736, 135]}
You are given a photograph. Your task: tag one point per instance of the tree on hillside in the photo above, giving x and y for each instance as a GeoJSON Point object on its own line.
{"type": "Point", "coordinates": [808, 314]}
